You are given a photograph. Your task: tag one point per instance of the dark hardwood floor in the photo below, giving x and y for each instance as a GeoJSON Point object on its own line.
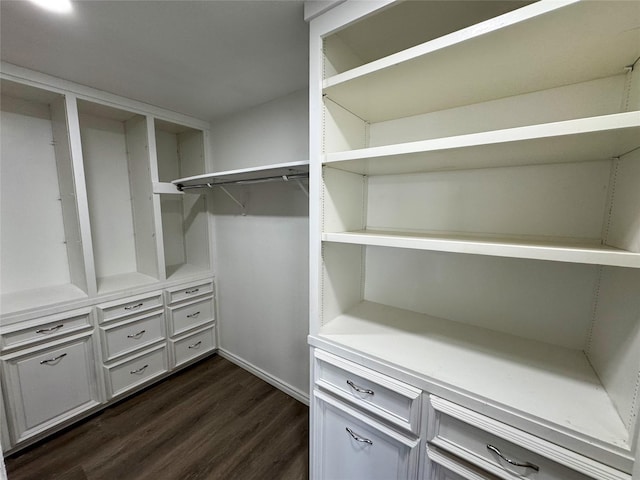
{"type": "Point", "coordinates": [213, 420]}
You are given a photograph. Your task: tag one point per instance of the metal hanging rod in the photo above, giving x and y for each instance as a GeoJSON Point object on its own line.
{"type": "Point", "coordinates": [293, 176]}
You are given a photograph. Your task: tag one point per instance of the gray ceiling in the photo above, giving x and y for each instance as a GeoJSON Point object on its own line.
{"type": "Point", "coordinates": [201, 58]}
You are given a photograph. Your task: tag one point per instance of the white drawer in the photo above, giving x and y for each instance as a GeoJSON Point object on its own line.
{"type": "Point", "coordinates": [192, 290]}
{"type": "Point", "coordinates": [387, 397]}
{"type": "Point", "coordinates": [121, 338]}
{"type": "Point", "coordinates": [351, 445]}
{"type": "Point", "coordinates": [442, 466]}
{"type": "Point", "coordinates": [126, 307]}
{"type": "Point", "coordinates": [191, 315]}
{"type": "Point", "coordinates": [194, 345]}
{"type": "Point", "coordinates": [492, 445]}
{"type": "Point", "coordinates": [133, 372]}
{"type": "Point", "coordinates": [45, 329]}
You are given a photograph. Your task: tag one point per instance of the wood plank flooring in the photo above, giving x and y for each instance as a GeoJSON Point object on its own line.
{"type": "Point", "coordinates": [213, 420]}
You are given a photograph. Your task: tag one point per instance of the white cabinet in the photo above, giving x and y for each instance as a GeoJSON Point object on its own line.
{"type": "Point", "coordinates": [49, 384]}
{"type": "Point", "coordinates": [475, 205]}
{"type": "Point", "coordinates": [350, 445]}
{"type": "Point", "coordinates": [191, 321]}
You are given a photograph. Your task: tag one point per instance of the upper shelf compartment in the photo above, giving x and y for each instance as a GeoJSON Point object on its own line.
{"type": "Point", "coordinates": [245, 176]}
{"type": "Point", "coordinates": [540, 46]}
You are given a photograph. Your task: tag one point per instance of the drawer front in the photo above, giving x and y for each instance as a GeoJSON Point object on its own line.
{"type": "Point", "coordinates": [350, 445]}
{"type": "Point", "coordinates": [186, 292]}
{"type": "Point", "coordinates": [123, 308]}
{"type": "Point", "coordinates": [50, 385]}
{"type": "Point", "coordinates": [46, 329]}
{"type": "Point", "coordinates": [442, 466]}
{"type": "Point", "coordinates": [387, 397]}
{"type": "Point", "coordinates": [189, 316]}
{"type": "Point", "coordinates": [134, 372]}
{"type": "Point", "coordinates": [481, 441]}
{"type": "Point", "coordinates": [194, 345]}
{"type": "Point", "coordinates": [126, 337]}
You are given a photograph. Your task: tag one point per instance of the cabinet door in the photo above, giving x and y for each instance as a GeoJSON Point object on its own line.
{"type": "Point", "coordinates": [49, 385]}
{"type": "Point", "coordinates": [350, 445]}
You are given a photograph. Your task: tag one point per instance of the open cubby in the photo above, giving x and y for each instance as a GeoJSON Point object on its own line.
{"type": "Point", "coordinates": [181, 153]}
{"type": "Point", "coordinates": [117, 170]}
{"type": "Point", "coordinates": [531, 336]}
{"type": "Point", "coordinates": [42, 257]}
{"type": "Point", "coordinates": [185, 234]}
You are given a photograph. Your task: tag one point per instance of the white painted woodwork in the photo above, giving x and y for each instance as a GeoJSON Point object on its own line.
{"type": "Point", "coordinates": [394, 401]}
{"type": "Point", "coordinates": [134, 372]}
{"type": "Point", "coordinates": [581, 41]}
{"type": "Point", "coordinates": [245, 175]}
{"type": "Point", "coordinates": [41, 256]}
{"type": "Point", "coordinates": [42, 393]}
{"type": "Point", "coordinates": [44, 329]}
{"type": "Point", "coordinates": [189, 291]}
{"type": "Point", "coordinates": [122, 338]}
{"type": "Point", "coordinates": [443, 466]}
{"type": "Point", "coordinates": [468, 434]}
{"type": "Point", "coordinates": [121, 308]}
{"type": "Point", "coordinates": [193, 345]}
{"type": "Point", "coordinates": [386, 455]}
{"type": "Point", "coordinates": [185, 317]}
{"type": "Point", "coordinates": [554, 385]}
{"type": "Point", "coordinates": [475, 212]}
{"type": "Point", "coordinates": [114, 151]}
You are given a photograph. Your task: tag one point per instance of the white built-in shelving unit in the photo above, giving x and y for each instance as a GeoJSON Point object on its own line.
{"type": "Point", "coordinates": [88, 209]}
{"type": "Point", "coordinates": [476, 207]}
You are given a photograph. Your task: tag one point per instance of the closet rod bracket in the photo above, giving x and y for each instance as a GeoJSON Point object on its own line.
{"type": "Point", "coordinates": [230, 195]}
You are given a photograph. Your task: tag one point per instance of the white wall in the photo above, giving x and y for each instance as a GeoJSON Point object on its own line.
{"type": "Point", "coordinates": [262, 259]}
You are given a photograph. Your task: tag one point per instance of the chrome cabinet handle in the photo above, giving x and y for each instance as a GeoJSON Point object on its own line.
{"type": "Point", "coordinates": [141, 369]}
{"type": "Point", "coordinates": [512, 462]}
{"type": "Point", "coordinates": [358, 438]}
{"type": "Point", "coordinates": [358, 389]}
{"type": "Point", "coordinates": [51, 360]}
{"type": "Point", "coordinates": [136, 335]}
{"type": "Point", "coordinates": [195, 345]}
{"type": "Point", "coordinates": [133, 307]}
{"type": "Point", "coordinates": [52, 329]}
{"type": "Point", "coordinates": [193, 290]}
{"type": "Point", "coordinates": [193, 315]}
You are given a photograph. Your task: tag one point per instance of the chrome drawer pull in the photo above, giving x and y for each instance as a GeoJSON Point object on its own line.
{"type": "Point", "coordinates": [51, 360]}
{"type": "Point", "coordinates": [357, 438]}
{"type": "Point", "coordinates": [141, 369]}
{"type": "Point", "coordinates": [511, 462]}
{"type": "Point", "coordinates": [195, 345]}
{"type": "Point", "coordinates": [193, 290]}
{"type": "Point", "coordinates": [52, 329]}
{"type": "Point", "coordinates": [136, 335]}
{"type": "Point", "coordinates": [133, 307]}
{"type": "Point", "coordinates": [358, 389]}
{"type": "Point", "coordinates": [193, 315]}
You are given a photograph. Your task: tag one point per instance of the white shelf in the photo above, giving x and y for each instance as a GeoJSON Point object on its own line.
{"type": "Point", "coordinates": [123, 281]}
{"type": "Point", "coordinates": [39, 297]}
{"type": "Point", "coordinates": [548, 249]}
{"type": "Point", "coordinates": [519, 52]}
{"type": "Point", "coordinates": [247, 175]}
{"type": "Point", "coordinates": [554, 385]}
{"type": "Point", "coordinates": [587, 139]}
{"type": "Point", "coordinates": [184, 270]}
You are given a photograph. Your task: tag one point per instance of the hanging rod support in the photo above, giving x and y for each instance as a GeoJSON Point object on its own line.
{"type": "Point", "coordinates": [302, 187]}
{"type": "Point", "coordinates": [244, 213]}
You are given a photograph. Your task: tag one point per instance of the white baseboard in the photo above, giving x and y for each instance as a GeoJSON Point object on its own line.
{"type": "Point", "coordinates": [267, 377]}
